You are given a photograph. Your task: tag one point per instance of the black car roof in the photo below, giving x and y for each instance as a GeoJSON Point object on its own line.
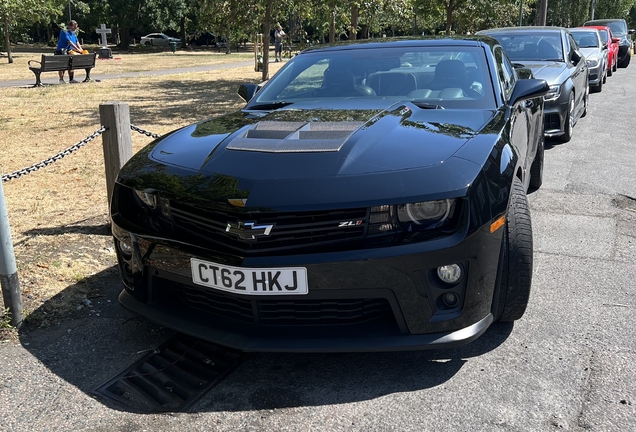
{"type": "Point", "coordinates": [467, 41]}
{"type": "Point", "coordinates": [604, 21]}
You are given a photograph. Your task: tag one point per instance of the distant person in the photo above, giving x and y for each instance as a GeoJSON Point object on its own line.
{"type": "Point", "coordinates": [279, 35]}
{"type": "Point", "coordinates": [68, 42]}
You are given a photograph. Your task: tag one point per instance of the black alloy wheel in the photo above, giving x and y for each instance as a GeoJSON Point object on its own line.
{"type": "Point", "coordinates": [516, 274]}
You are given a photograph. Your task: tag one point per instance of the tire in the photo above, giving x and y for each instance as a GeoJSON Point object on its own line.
{"type": "Point", "coordinates": [615, 66]}
{"type": "Point", "coordinates": [610, 71]}
{"type": "Point", "coordinates": [147, 43]}
{"type": "Point", "coordinates": [516, 274]}
{"type": "Point", "coordinates": [586, 101]}
{"type": "Point", "coordinates": [569, 121]}
{"type": "Point", "coordinates": [599, 87]}
{"type": "Point", "coordinates": [605, 78]}
{"type": "Point", "coordinates": [625, 62]}
{"type": "Point", "coordinates": [536, 170]}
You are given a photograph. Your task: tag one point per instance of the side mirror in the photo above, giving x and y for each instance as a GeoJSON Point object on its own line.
{"type": "Point", "coordinates": [615, 40]}
{"type": "Point", "coordinates": [575, 57]}
{"type": "Point", "coordinates": [247, 91]}
{"type": "Point", "coordinates": [631, 31]}
{"type": "Point", "coordinates": [528, 89]}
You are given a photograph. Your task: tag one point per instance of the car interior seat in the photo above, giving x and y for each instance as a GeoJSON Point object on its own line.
{"type": "Point", "coordinates": [449, 74]}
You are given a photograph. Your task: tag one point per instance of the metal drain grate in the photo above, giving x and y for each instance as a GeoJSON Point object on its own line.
{"type": "Point", "coordinates": [172, 377]}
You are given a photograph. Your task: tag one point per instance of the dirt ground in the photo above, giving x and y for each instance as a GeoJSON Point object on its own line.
{"type": "Point", "coordinates": [59, 214]}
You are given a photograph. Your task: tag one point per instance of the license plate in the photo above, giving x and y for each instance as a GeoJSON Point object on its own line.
{"type": "Point", "coordinates": [253, 281]}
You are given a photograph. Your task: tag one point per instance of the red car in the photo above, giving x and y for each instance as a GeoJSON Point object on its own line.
{"type": "Point", "coordinates": [612, 45]}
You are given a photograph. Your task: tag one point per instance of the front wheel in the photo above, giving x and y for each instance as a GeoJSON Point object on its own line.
{"type": "Point", "coordinates": [569, 121]}
{"type": "Point", "coordinates": [625, 61]}
{"type": "Point", "coordinates": [516, 274]}
{"type": "Point", "coordinates": [536, 170]}
{"type": "Point", "coordinates": [147, 43]}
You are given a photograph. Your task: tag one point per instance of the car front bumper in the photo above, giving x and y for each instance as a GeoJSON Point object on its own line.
{"type": "Point", "coordinates": [379, 299]}
{"type": "Point", "coordinates": [596, 74]}
{"type": "Point", "coordinates": [554, 116]}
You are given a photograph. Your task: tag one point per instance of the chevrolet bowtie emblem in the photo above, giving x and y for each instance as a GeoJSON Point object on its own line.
{"type": "Point", "coordinates": [248, 230]}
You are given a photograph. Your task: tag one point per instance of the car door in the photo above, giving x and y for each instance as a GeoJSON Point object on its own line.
{"type": "Point", "coordinates": [519, 121]}
{"type": "Point", "coordinates": [578, 73]}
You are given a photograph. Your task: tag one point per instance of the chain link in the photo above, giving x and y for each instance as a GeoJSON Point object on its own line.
{"type": "Point", "coordinates": [57, 157]}
{"type": "Point", "coordinates": [144, 132]}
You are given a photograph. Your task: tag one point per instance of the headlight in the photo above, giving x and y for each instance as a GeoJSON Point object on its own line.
{"type": "Point", "coordinates": [554, 93]}
{"type": "Point", "coordinates": [148, 198]}
{"type": "Point", "coordinates": [592, 63]}
{"type": "Point", "coordinates": [424, 215]}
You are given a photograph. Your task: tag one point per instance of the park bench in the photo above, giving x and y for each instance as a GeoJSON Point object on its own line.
{"type": "Point", "coordinates": [55, 63]}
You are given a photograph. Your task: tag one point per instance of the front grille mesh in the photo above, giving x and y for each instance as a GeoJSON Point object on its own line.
{"type": "Point", "coordinates": [552, 122]}
{"type": "Point", "coordinates": [293, 312]}
{"type": "Point", "coordinates": [291, 230]}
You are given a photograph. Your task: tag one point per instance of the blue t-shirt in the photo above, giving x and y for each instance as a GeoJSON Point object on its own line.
{"type": "Point", "coordinates": [65, 37]}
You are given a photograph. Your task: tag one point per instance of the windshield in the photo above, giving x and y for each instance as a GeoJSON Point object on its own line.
{"type": "Point", "coordinates": [604, 36]}
{"type": "Point", "coordinates": [531, 47]}
{"type": "Point", "coordinates": [431, 76]}
{"type": "Point", "coordinates": [618, 27]}
{"type": "Point", "coordinates": [585, 39]}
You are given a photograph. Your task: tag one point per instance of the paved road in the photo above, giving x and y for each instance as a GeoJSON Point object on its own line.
{"type": "Point", "coordinates": [569, 364]}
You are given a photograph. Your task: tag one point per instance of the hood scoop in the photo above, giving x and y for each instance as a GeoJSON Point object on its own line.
{"type": "Point", "coordinates": [294, 137]}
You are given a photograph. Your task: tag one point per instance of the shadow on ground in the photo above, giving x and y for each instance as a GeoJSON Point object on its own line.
{"type": "Point", "coordinates": [93, 339]}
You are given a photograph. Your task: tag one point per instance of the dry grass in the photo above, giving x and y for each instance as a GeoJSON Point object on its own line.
{"type": "Point", "coordinates": [124, 62]}
{"type": "Point", "coordinates": [58, 215]}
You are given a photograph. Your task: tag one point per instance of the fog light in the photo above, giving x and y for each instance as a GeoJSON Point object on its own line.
{"type": "Point", "coordinates": [125, 246]}
{"type": "Point", "coordinates": [450, 299]}
{"type": "Point", "coordinates": [449, 273]}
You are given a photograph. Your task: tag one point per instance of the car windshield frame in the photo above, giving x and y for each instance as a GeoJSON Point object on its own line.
{"type": "Point", "coordinates": [326, 77]}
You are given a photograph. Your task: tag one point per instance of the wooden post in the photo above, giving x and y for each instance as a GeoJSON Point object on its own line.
{"type": "Point", "coordinates": [116, 140]}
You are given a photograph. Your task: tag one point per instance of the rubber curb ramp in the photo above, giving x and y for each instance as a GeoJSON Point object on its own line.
{"type": "Point", "coordinates": [172, 377]}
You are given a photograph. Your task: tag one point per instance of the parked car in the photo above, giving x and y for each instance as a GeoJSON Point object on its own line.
{"type": "Point", "coordinates": [158, 39]}
{"type": "Point", "coordinates": [595, 52]}
{"type": "Point", "coordinates": [551, 54]}
{"type": "Point", "coordinates": [369, 196]}
{"type": "Point", "coordinates": [611, 43]}
{"type": "Point", "coordinates": [619, 30]}
{"type": "Point", "coordinates": [205, 38]}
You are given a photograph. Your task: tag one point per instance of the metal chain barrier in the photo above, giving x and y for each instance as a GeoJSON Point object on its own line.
{"type": "Point", "coordinates": [144, 132]}
{"type": "Point", "coordinates": [57, 157]}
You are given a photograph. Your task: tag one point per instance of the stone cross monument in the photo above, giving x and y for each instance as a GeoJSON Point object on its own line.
{"type": "Point", "coordinates": [104, 51]}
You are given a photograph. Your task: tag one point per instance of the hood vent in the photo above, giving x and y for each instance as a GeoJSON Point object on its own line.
{"type": "Point", "coordinates": [294, 137]}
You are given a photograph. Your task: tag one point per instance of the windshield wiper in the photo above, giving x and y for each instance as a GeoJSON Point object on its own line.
{"type": "Point", "coordinates": [426, 105]}
{"type": "Point", "coordinates": [270, 105]}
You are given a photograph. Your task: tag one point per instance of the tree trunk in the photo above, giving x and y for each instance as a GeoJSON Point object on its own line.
{"type": "Point", "coordinates": [182, 31]}
{"type": "Point", "coordinates": [266, 29]}
{"type": "Point", "coordinates": [355, 11]}
{"type": "Point", "coordinates": [6, 38]}
{"type": "Point", "coordinates": [124, 34]}
{"type": "Point", "coordinates": [228, 45]}
{"type": "Point", "coordinates": [114, 35]}
{"type": "Point", "coordinates": [332, 26]}
{"type": "Point", "coordinates": [449, 16]}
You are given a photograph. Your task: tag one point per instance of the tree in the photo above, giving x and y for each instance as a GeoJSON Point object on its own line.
{"type": "Point", "coordinates": [13, 11]}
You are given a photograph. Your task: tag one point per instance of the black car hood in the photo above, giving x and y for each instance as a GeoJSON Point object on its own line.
{"type": "Point", "coordinates": [295, 144]}
{"type": "Point", "coordinates": [547, 70]}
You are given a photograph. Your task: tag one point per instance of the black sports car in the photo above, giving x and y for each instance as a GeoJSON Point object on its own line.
{"type": "Point", "coordinates": [552, 54]}
{"type": "Point", "coordinates": [370, 196]}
